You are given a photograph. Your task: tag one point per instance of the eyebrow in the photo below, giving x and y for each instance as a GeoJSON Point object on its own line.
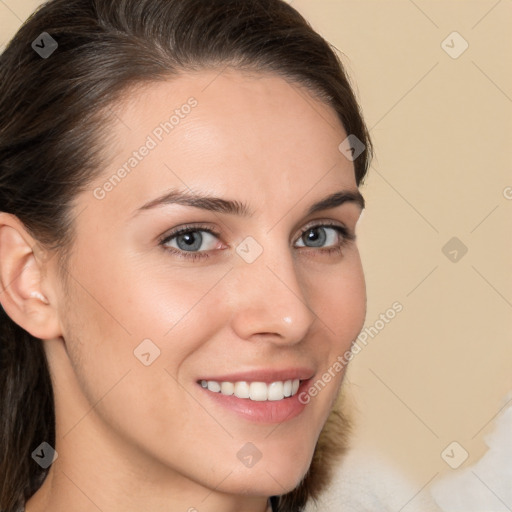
{"type": "Point", "coordinates": [217, 204]}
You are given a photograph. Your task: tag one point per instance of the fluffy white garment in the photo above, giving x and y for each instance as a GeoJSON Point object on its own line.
{"type": "Point", "coordinates": [364, 482]}
{"type": "Point", "coordinates": [487, 485]}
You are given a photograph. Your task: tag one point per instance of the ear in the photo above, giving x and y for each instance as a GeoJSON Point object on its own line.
{"type": "Point", "coordinates": [26, 297]}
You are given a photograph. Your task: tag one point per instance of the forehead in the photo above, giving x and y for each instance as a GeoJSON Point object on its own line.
{"type": "Point", "coordinates": [223, 131]}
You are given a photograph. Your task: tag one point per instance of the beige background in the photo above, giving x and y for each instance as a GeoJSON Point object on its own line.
{"type": "Point", "coordinates": [441, 369]}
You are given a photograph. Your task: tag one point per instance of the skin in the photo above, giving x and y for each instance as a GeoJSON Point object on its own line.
{"type": "Point", "coordinates": [132, 437]}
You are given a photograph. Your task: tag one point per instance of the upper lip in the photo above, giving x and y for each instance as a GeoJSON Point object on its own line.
{"type": "Point", "coordinates": [267, 375]}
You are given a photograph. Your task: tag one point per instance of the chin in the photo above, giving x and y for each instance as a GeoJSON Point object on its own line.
{"type": "Point", "coordinates": [262, 484]}
{"type": "Point", "coordinates": [277, 476]}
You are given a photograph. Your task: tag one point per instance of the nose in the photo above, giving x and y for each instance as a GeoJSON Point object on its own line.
{"type": "Point", "coordinates": [269, 299]}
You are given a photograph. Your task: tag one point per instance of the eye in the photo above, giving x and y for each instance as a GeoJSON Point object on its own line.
{"type": "Point", "coordinates": [318, 237]}
{"type": "Point", "coordinates": [187, 241]}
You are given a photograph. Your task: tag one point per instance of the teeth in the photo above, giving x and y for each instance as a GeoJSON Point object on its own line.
{"type": "Point", "coordinates": [242, 389]}
{"type": "Point", "coordinates": [213, 386]}
{"type": "Point", "coordinates": [287, 388]}
{"type": "Point", "coordinates": [227, 388]}
{"type": "Point", "coordinates": [276, 391]}
{"type": "Point", "coordinates": [257, 391]}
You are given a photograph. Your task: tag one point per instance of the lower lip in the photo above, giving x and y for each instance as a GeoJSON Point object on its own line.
{"type": "Point", "coordinates": [268, 411]}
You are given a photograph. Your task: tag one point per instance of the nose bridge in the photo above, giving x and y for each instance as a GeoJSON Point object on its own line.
{"type": "Point", "coordinates": [269, 298]}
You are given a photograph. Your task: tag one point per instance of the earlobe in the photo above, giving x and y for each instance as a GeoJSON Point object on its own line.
{"type": "Point", "coordinates": [21, 282]}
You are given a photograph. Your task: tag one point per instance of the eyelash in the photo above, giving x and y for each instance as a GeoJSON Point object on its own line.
{"type": "Point", "coordinates": [347, 237]}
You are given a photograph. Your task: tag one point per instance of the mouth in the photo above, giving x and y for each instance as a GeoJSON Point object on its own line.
{"type": "Point", "coordinates": [266, 397]}
{"type": "Point", "coordinates": [255, 391]}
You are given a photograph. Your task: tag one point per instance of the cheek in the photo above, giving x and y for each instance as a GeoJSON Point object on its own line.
{"type": "Point", "coordinates": [126, 302]}
{"type": "Point", "coordinates": [338, 298]}
{"type": "Point", "coordinates": [137, 402]}
{"type": "Point", "coordinates": [123, 316]}
{"type": "Point", "coordinates": [352, 299]}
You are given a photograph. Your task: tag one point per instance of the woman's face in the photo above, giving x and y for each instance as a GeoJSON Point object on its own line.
{"type": "Point", "coordinates": [244, 297]}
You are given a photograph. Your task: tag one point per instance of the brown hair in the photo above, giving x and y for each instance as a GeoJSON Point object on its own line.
{"type": "Point", "coordinates": [53, 133]}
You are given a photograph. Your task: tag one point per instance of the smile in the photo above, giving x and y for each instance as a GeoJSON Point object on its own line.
{"type": "Point", "coordinates": [256, 391]}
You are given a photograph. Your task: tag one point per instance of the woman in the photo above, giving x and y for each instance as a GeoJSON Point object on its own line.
{"type": "Point", "coordinates": [180, 280]}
